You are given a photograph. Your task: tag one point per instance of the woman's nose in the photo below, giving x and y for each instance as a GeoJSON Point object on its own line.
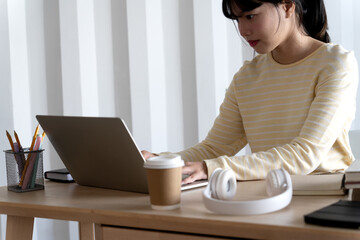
{"type": "Point", "coordinates": [243, 29]}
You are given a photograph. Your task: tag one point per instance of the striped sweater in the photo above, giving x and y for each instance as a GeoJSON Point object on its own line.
{"type": "Point", "coordinates": [295, 116]}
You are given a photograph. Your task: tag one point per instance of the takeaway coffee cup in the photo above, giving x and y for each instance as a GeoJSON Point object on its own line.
{"type": "Point", "coordinates": [164, 181]}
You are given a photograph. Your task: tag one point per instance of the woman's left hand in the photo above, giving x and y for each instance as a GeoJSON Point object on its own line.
{"type": "Point", "coordinates": [195, 170]}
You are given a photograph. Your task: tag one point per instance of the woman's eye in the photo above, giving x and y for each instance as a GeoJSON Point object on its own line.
{"type": "Point", "coordinates": [250, 16]}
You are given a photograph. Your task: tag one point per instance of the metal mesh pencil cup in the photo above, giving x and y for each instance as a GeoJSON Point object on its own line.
{"type": "Point", "coordinates": [24, 170]}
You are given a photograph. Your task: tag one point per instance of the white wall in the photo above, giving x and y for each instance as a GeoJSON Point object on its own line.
{"type": "Point", "coordinates": [161, 65]}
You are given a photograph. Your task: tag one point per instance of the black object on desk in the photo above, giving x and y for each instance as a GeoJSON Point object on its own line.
{"type": "Point", "coordinates": [59, 175]}
{"type": "Point", "coordinates": [344, 214]}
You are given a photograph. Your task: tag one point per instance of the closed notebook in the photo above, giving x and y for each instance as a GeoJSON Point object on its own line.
{"type": "Point", "coordinates": [61, 175]}
{"type": "Point", "coordinates": [319, 184]}
{"type": "Point", "coordinates": [342, 214]}
{"type": "Point", "coordinates": [352, 175]}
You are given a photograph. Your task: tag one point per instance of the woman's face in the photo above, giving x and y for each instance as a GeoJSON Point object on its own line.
{"type": "Point", "coordinates": [263, 27]}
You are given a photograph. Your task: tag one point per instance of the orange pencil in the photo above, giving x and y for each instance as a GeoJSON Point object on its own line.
{"type": "Point", "coordinates": [43, 135]}
{"type": "Point", "coordinates": [29, 155]}
{"type": "Point", "coordinates": [34, 138]}
{"type": "Point", "coordinates": [42, 138]}
{"type": "Point", "coordinates": [17, 139]}
{"type": "Point", "coordinates": [10, 140]}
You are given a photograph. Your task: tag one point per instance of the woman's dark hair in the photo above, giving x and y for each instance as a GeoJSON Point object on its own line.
{"type": "Point", "coordinates": [311, 14]}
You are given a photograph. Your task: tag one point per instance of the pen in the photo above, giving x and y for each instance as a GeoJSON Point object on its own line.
{"type": "Point", "coordinates": [33, 177]}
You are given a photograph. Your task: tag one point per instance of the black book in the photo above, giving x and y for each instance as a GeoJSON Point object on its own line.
{"type": "Point", "coordinates": [343, 214]}
{"type": "Point", "coordinates": [60, 175]}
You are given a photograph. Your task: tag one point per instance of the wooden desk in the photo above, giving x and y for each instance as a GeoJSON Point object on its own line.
{"type": "Point", "coordinates": [109, 214]}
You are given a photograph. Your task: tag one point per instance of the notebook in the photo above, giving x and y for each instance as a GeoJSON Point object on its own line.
{"type": "Point", "coordinates": [342, 214]}
{"type": "Point", "coordinates": [352, 175]}
{"type": "Point", "coordinates": [99, 152]}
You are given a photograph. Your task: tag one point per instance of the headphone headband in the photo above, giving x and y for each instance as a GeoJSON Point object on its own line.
{"type": "Point", "coordinates": [259, 206]}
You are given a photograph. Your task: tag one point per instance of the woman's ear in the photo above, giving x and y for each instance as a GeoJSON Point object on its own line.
{"type": "Point", "coordinates": [289, 7]}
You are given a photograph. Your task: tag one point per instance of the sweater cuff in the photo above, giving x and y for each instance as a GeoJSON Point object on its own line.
{"type": "Point", "coordinates": [213, 164]}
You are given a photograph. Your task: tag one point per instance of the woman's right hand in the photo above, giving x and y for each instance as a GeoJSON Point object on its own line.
{"type": "Point", "coordinates": [147, 154]}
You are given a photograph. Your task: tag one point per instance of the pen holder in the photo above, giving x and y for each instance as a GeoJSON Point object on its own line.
{"type": "Point", "coordinates": [24, 170]}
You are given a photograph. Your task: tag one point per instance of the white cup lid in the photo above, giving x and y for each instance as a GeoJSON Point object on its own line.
{"type": "Point", "coordinates": [164, 161]}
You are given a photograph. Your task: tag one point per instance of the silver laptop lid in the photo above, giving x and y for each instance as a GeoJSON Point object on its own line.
{"type": "Point", "coordinates": [97, 151]}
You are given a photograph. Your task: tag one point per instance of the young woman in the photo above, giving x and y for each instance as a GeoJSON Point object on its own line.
{"type": "Point", "coordinates": [293, 103]}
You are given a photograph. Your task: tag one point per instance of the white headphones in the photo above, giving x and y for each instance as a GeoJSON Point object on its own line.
{"type": "Point", "coordinates": [222, 188]}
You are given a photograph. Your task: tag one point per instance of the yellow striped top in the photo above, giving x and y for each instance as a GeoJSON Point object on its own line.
{"type": "Point", "coordinates": [295, 116]}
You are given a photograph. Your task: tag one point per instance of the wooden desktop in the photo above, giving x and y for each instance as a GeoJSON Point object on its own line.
{"type": "Point", "coordinates": [109, 214]}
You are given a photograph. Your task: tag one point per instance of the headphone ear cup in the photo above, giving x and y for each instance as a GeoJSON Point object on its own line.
{"type": "Point", "coordinates": [212, 182]}
{"type": "Point", "coordinates": [225, 185]}
{"type": "Point", "coordinates": [275, 182]}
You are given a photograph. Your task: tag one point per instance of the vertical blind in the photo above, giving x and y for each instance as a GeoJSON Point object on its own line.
{"type": "Point", "coordinates": [161, 65]}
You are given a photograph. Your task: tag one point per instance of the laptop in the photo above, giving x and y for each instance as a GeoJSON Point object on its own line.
{"type": "Point", "coordinates": [99, 152]}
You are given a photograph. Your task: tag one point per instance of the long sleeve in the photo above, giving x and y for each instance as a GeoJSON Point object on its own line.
{"type": "Point", "coordinates": [227, 135]}
{"type": "Point", "coordinates": [294, 116]}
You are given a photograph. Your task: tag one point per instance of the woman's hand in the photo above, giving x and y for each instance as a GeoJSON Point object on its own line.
{"type": "Point", "coordinates": [195, 170]}
{"type": "Point", "coordinates": [147, 154]}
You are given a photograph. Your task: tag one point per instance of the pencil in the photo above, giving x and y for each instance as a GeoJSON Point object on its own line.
{"type": "Point", "coordinates": [17, 139]}
{"type": "Point", "coordinates": [42, 136]}
{"type": "Point", "coordinates": [10, 141]}
{"type": "Point", "coordinates": [29, 155]}
{"type": "Point", "coordinates": [34, 138]}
